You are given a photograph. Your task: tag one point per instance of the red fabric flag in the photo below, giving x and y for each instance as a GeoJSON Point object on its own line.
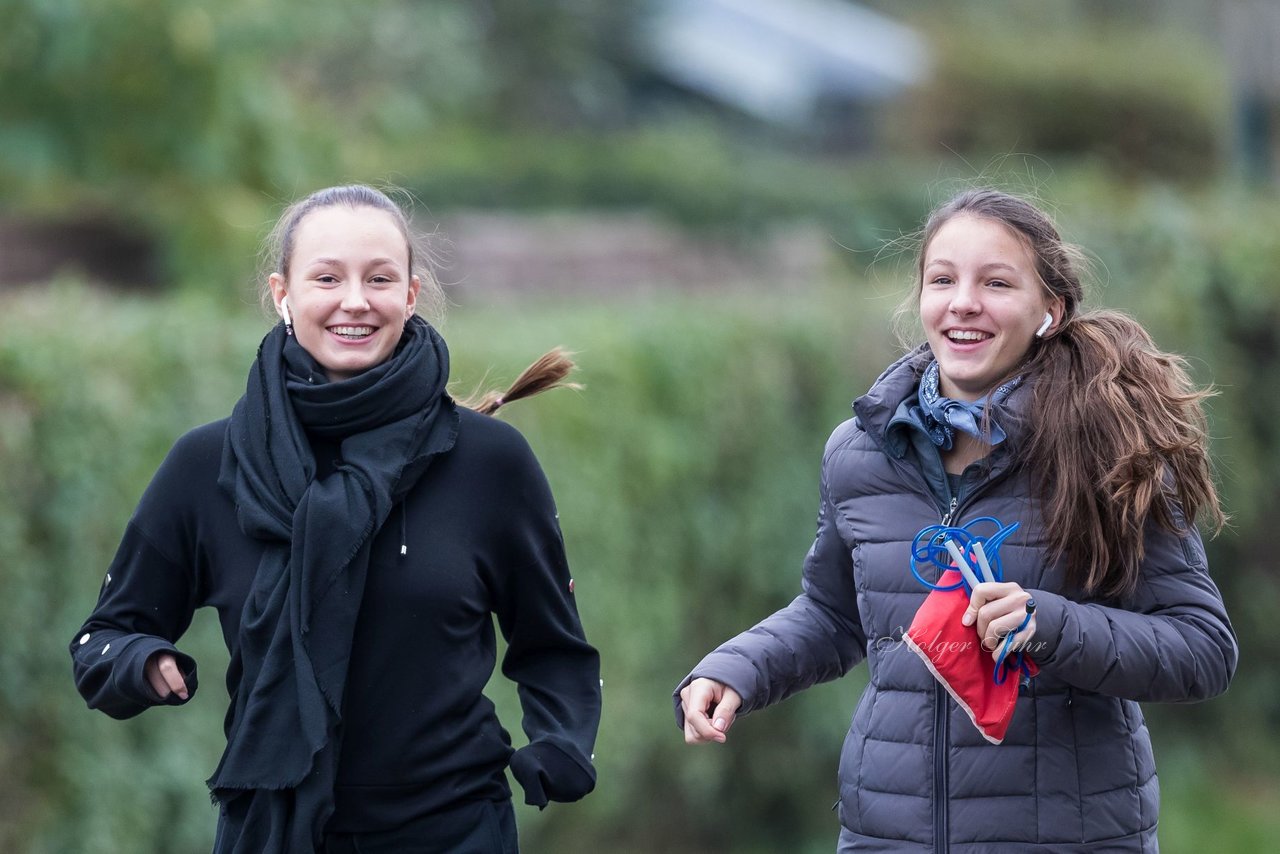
{"type": "Point", "coordinates": [953, 653]}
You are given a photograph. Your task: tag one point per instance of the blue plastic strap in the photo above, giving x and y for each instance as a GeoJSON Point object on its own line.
{"type": "Point", "coordinates": [929, 547]}
{"type": "Point", "coordinates": [1019, 659]}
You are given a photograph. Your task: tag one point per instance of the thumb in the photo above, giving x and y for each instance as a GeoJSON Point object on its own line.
{"type": "Point", "coordinates": [981, 595]}
{"type": "Point", "coordinates": [726, 710]}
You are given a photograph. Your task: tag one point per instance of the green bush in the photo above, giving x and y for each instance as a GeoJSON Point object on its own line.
{"type": "Point", "coordinates": [1143, 100]}
{"type": "Point", "coordinates": [685, 474]}
{"type": "Point", "coordinates": [689, 173]}
{"type": "Point", "coordinates": [696, 415]}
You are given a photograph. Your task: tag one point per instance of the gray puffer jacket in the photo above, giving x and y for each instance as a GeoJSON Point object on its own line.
{"type": "Point", "coordinates": [1075, 771]}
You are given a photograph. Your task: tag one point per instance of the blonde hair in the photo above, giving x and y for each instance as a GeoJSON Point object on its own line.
{"type": "Point", "coordinates": [277, 250]}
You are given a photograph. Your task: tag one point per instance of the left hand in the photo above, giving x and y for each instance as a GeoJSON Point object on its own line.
{"type": "Point", "coordinates": [164, 676]}
{"type": "Point", "coordinates": [995, 609]}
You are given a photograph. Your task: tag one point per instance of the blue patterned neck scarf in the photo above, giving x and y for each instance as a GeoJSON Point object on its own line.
{"type": "Point", "coordinates": [942, 416]}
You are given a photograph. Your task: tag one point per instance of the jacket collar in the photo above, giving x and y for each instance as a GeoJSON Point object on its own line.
{"type": "Point", "coordinates": [881, 408]}
{"type": "Point", "coordinates": [884, 411]}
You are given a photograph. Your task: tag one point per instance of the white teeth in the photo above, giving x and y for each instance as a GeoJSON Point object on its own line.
{"type": "Point", "coordinates": [966, 335]}
{"type": "Point", "coordinates": [352, 331]}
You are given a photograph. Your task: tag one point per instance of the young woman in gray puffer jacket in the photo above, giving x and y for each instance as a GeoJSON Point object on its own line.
{"type": "Point", "coordinates": [1022, 407]}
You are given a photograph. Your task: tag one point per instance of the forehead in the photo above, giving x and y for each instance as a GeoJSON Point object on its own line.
{"type": "Point", "coordinates": [339, 230]}
{"type": "Point", "coordinates": [969, 238]}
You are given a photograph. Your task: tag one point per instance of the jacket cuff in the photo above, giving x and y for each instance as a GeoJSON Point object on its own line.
{"type": "Point", "coordinates": [131, 676]}
{"type": "Point", "coordinates": [547, 772]}
{"type": "Point", "coordinates": [1051, 615]}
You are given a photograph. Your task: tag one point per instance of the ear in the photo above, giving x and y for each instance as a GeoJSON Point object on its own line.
{"type": "Point", "coordinates": [1058, 309]}
{"type": "Point", "coordinates": [278, 290]}
{"type": "Point", "coordinates": [415, 285]}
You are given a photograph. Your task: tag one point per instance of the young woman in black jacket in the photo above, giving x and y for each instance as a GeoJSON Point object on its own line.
{"type": "Point", "coordinates": [356, 530]}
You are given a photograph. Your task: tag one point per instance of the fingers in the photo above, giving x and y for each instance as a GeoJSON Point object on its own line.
{"type": "Point", "coordinates": [1020, 640]}
{"type": "Point", "coordinates": [726, 711]}
{"type": "Point", "coordinates": [164, 676]}
{"type": "Point", "coordinates": [995, 609]}
{"type": "Point", "coordinates": [697, 698]}
{"type": "Point", "coordinates": [709, 710]}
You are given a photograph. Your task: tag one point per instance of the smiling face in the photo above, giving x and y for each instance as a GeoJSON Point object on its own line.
{"type": "Point", "coordinates": [349, 286]}
{"type": "Point", "coordinates": [981, 303]}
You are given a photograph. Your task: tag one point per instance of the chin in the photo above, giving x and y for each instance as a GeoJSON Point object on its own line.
{"type": "Point", "coordinates": [351, 370]}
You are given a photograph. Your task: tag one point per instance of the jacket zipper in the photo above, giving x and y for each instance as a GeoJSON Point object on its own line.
{"type": "Point", "coordinates": [951, 511]}
{"type": "Point", "coordinates": [941, 720]}
{"type": "Point", "coordinates": [941, 736]}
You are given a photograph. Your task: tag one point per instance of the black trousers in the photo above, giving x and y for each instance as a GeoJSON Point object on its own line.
{"type": "Point", "coordinates": [479, 827]}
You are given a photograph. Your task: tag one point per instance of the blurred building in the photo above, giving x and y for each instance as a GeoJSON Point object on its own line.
{"type": "Point", "coordinates": [813, 67]}
{"type": "Point", "coordinates": [494, 256]}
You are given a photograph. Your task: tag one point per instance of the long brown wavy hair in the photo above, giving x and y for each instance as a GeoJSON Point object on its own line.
{"type": "Point", "coordinates": [1117, 426]}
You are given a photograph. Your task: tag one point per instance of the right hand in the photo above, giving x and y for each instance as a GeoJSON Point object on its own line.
{"type": "Point", "coordinates": [164, 676]}
{"type": "Point", "coordinates": [709, 710]}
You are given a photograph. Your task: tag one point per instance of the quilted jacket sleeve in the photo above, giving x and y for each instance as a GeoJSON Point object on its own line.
{"type": "Point", "coordinates": [816, 638]}
{"type": "Point", "coordinates": [1170, 642]}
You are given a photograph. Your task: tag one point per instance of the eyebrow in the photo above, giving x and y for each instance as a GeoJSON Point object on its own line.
{"type": "Point", "coordinates": [994, 265]}
{"type": "Point", "coordinates": [335, 262]}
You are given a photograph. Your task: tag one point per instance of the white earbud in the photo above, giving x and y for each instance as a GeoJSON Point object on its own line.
{"type": "Point", "coordinates": [1048, 321]}
{"type": "Point", "coordinates": [284, 312]}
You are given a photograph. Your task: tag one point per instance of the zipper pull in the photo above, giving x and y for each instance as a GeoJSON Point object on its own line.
{"type": "Point", "coordinates": [946, 520]}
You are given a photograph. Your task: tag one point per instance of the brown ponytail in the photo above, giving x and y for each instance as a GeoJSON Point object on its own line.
{"type": "Point", "coordinates": [548, 372]}
{"type": "Point", "coordinates": [1119, 437]}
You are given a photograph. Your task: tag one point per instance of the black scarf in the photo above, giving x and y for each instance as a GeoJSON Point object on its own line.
{"type": "Point", "coordinates": [275, 780]}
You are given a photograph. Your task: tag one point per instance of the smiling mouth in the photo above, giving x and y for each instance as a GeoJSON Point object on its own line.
{"type": "Point", "coordinates": [967, 336]}
{"type": "Point", "coordinates": [352, 333]}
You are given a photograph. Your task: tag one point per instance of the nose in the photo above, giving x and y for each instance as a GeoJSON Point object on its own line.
{"type": "Point", "coordinates": [965, 300]}
{"type": "Point", "coordinates": [353, 298]}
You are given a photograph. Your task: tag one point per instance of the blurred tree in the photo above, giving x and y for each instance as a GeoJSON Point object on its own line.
{"type": "Point", "coordinates": [563, 62]}
{"type": "Point", "coordinates": [186, 118]}
{"type": "Point", "coordinates": [1137, 85]}
{"type": "Point", "coordinates": [159, 112]}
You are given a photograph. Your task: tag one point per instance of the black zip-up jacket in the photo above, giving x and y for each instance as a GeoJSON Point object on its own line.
{"type": "Point", "coordinates": [477, 537]}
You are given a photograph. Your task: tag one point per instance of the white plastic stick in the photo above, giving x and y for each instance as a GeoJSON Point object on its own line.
{"type": "Point", "coordinates": [961, 563]}
{"type": "Point", "coordinates": [983, 563]}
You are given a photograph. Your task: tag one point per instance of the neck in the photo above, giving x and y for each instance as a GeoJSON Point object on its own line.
{"type": "Point", "coordinates": [965, 449]}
